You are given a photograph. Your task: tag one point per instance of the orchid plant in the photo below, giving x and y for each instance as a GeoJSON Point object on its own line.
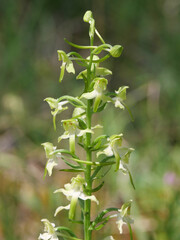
{"type": "Point", "coordinates": [109, 149]}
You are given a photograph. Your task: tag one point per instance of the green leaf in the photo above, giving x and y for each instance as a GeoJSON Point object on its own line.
{"type": "Point", "coordinates": [72, 170]}
{"type": "Point", "coordinates": [131, 179]}
{"type": "Point", "coordinates": [65, 229]}
{"type": "Point", "coordinates": [102, 224]}
{"type": "Point", "coordinates": [101, 107]}
{"type": "Point", "coordinates": [99, 168]}
{"type": "Point", "coordinates": [68, 237]}
{"type": "Point", "coordinates": [100, 218]}
{"type": "Point", "coordinates": [116, 51]}
{"type": "Point", "coordinates": [82, 145]}
{"type": "Point", "coordinates": [71, 165]}
{"type": "Point", "coordinates": [98, 141]}
{"type": "Point", "coordinates": [129, 111]}
{"type": "Point", "coordinates": [98, 187]}
{"type": "Point", "coordinates": [82, 123]}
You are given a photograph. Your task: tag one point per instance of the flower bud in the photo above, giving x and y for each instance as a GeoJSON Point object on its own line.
{"type": "Point", "coordinates": [116, 51]}
{"type": "Point", "coordinates": [87, 16]}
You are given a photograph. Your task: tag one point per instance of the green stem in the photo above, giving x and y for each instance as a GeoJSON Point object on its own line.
{"type": "Point", "coordinates": [87, 204]}
{"type": "Point", "coordinates": [98, 34]}
{"type": "Point", "coordinates": [79, 46]}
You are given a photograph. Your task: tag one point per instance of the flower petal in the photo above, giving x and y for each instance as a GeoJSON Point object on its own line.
{"type": "Point", "coordinates": [89, 95]}
{"type": "Point", "coordinates": [82, 132]}
{"type": "Point", "coordinates": [123, 167]}
{"type": "Point", "coordinates": [50, 165]}
{"type": "Point", "coordinates": [44, 236]}
{"type": "Point", "coordinates": [61, 208]}
{"type": "Point", "coordinates": [70, 67]}
{"type": "Point", "coordinates": [117, 103]}
{"type": "Point", "coordinates": [62, 71]}
{"type": "Point", "coordinates": [107, 151]}
{"type": "Point", "coordinates": [92, 198]}
{"type": "Point", "coordinates": [66, 135]}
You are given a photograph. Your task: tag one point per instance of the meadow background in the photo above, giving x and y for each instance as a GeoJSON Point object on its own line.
{"type": "Point", "coordinates": [30, 34]}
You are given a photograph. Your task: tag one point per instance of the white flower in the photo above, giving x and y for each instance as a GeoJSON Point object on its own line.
{"type": "Point", "coordinates": [52, 158]}
{"type": "Point", "coordinates": [98, 92]}
{"type": "Point", "coordinates": [120, 97]}
{"type": "Point", "coordinates": [122, 154]}
{"type": "Point", "coordinates": [50, 232]}
{"type": "Point", "coordinates": [73, 191]}
{"type": "Point", "coordinates": [123, 216]}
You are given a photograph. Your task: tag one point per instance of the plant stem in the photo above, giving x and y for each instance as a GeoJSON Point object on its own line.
{"type": "Point", "coordinates": [87, 205]}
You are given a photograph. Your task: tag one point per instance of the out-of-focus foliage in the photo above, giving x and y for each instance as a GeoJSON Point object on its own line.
{"type": "Point", "coordinates": [30, 34]}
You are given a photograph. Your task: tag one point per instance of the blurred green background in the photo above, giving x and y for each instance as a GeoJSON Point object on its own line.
{"type": "Point", "coordinates": [30, 34]}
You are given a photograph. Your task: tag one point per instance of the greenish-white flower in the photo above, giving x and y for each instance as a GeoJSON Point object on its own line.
{"type": "Point", "coordinates": [52, 158]}
{"type": "Point", "coordinates": [121, 154]}
{"type": "Point", "coordinates": [123, 216]}
{"type": "Point", "coordinates": [72, 130]}
{"type": "Point", "coordinates": [98, 92]}
{"type": "Point", "coordinates": [56, 106]}
{"type": "Point", "coordinates": [50, 231]}
{"type": "Point", "coordinates": [66, 64]}
{"type": "Point", "coordinates": [120, 97]}
{"type": "Point", "coordinates": [73, 191]}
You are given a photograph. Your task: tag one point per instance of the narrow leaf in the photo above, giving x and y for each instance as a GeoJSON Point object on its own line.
{"type": "Point", "coordinates": [82, 124]}
{"type": "Point", "coordinates": [129, 111]}
{"type": "Point", "coordinates": [102, 107]}
{"type": "Point", "coordinates": [72, 170]}
{"type": "Point", "coordinates": [97, 188]}
{"type": "Point", "coordinates": [100, 216]}
{"type": "Point", "coordinates": [99, 168]}
{"type": "Point", "coordinates": [68, 237]}
{"type": "Point", "coordinates": [131, 179]}
{"type": "Point", "coordinates": [69, 231]}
